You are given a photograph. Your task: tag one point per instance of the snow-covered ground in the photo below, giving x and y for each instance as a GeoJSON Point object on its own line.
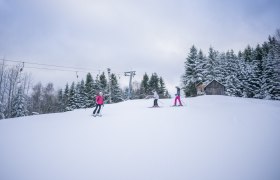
{"type": "Point", "coordinates": [210, 138]}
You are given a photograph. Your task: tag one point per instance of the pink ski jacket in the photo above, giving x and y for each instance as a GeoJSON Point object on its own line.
{"type": "Point", "coordinates": [99, 99]}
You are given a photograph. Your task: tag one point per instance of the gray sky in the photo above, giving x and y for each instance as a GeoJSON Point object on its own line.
{"type": "Point", "coordinates": [144, 35]}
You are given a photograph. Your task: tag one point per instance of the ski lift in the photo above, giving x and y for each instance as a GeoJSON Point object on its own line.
{"type": "Point", "coordinates": [77, 74]}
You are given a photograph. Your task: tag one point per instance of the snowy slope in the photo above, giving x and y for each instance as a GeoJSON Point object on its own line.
{"type": "Point", "coordinates": [210, 138]}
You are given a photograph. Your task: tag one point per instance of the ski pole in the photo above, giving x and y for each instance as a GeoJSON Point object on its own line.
{"type": "Point", "coordinates": [183, 103]}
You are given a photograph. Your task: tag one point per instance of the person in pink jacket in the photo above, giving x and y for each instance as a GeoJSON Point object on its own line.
{"type": "Point", "coordinates": [99, 101]}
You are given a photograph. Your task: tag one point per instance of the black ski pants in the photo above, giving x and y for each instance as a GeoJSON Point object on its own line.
{"type": "Point", "coordinates": [97, 108]}
{"type": "Point", "coordinates": [155, 102]}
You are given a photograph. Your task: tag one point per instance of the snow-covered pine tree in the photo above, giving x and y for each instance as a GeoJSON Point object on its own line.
{"type": "Point", "coordinates": [72, 97]}
{"type": "Point", "coordinates": [251, 72]}
{"type": "Point", "coordinates": [190, 77]}
{"type": "Point", "coordinates": [233, 85]}
{"type": "Point", "coordinates": [144, 86]}
{"type": "Point", "coordinates": [19, 107]}
{"type": "Point", "coordinates": [258, 53]}
{"type": "Point", "coordinates": [201, 67]}
{"type": "Point", "coordinates": [211, 65]}
{"type": "Point", "coordinates": [271, 73]}
{"type": "Point", "coordinates": [276, 93]}
{"type": "Point", "coordinates": [222, 69]}
{"type": "Point", "coordinates": [66, 98]}
{"type": "Point", "coordinates": [243, 75]}
{"type": "Point", "coordinates": [89, 91]}
{"type": "Point", "coordinates": [97, 85]}
{"type": "Point", "coordinates": [103, 83]}
{"type": "Point", "coordinates": [257, 74]}
{"type": "Point", "coordinates": [78, 97]}
{"type": "Point", "coordinates": [82, 95]}
{"type": "Point", "coordinates": [116, 92]}
{"type": "Point", "coordinates": [2, 110]}
{"type": "Point", "coordinates": [162, 88]}
{"type": "Point", "coordinates": [154, 82]}
{"type": "Point", "coordinates": [268, 75]}
{"type": "Point", "coordinates": [247, 54]}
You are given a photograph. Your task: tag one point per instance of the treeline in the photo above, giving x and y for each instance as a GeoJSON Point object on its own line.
{"type": "Point", "coordinates": [19, 98]}
{"type": "Point", "coordinates": [252, 73]}
{"type": "Point", "coordinates": [148, 84]}
{"type": "Point", "coordinates": [16, 100]}
{"type": "Point", "coordinates": [82, 94]}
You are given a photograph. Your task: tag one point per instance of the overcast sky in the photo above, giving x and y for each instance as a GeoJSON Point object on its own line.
{"type": "Point", "coordinates": [144, 35]}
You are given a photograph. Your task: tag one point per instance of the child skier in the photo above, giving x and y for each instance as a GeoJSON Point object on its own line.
{"type": "Point", "coordinates": [99, 101]}
{"type": "Point", "coordinates": [177, 97]}
{"type": "Point", "coordinates": [156, 97]}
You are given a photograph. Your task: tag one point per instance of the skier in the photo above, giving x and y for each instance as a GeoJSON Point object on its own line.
{"type": "Point", "coordinates": [156, 97]}
{"type": "Point", "coordinates": [99, 101]}
{"type": "Point", "coordinates": [177, 97]}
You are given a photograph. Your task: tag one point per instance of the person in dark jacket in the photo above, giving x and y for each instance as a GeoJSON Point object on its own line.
{"type": "Point", "coordinates": [177, 97]}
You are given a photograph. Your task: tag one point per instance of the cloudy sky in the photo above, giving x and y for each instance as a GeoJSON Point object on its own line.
{"type": "Point", "coordinates": [144, 35]}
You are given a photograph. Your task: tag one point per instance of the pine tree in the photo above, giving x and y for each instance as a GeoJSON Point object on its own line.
{"type": "Point", "coordinates": [72, 97]}
{"type": "Point", "coordinates": [276, 92]}
{"type": "Point", "coordinates": [211, 65]}
{"type": "Point", "coordinates": [78, 96]}
{"type": "Point", "coordinates": [256, 78]}
{"type": "Point", "coordinates": [243, 75]}
{"type": "Point", "coordinates": [116, 93]}
{"type": "Point", "coordinates": [190, 77]}
{"type": "Point", "coordinates": [97, 85]}
{"type": "Point", "coordinates": [162, 88]}
{"type": "Point", "coordinates": [66, 98]}
{"type": "Point", "coordinates": [2, 109]}
{"type": "Point", "coordinates": [248, 54]}
{"type": "Point", "coordinates": [269, 79]}
{"type": "Point", "coordinates": [144, 87]}
{"type": "Point", "coordinates": [222, 69]}
{"type": "Point", "coordinates": [19, 104]}
{"type": "Point", "coordinates": [103, 83]}
{"type": "Point", "coordinates": [271, 73]}
{"type": "Point", "coordinates": [82, 95]}
{"type": "Point", "coordinates": [233, 85]}
{"type": "Point", "coordinates": [200, 67]}
{"type": "Point", "coordinates": [257, 53]}
{"type": "Point", "coordinates": [89, 91]}
{"type": "Point", "coordinates": [154, 82]}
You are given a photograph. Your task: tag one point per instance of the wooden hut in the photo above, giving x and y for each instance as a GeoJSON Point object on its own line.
{"type": "Point", "coordinates": [200, 88]}
{"type": "Point", "coordinates": [214, 88]}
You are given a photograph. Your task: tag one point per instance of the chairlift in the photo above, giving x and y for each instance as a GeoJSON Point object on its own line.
{"type": "Point", "coordinates": [21, 69]}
